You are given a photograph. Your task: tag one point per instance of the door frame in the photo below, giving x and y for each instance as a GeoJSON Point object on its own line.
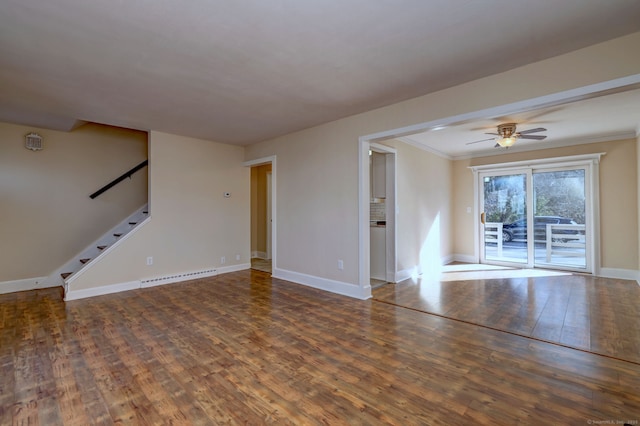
{"type": "Point", "coordinates": [391, 206]}
{"type": "Point", "coordinates": [269, 213]}
{"type": "Point", "coordinates": [592, 203]}
{"type": "Point", "coordinates": [528, 203]}
{"type": "Point", "coordinates": [274, 223]}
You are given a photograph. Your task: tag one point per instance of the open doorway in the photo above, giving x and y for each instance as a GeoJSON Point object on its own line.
{"type": "Point", "coordinates": [261, 217]}
{"type": "Point", "coordinates": [378, 197]}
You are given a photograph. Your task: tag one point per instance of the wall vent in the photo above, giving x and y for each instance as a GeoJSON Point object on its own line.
{"type": "Point", "coordinates": [33, 141]}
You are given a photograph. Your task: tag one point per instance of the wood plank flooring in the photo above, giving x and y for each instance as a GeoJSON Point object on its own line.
{"type": "Point", "coordinates": [243, 348]}
{"type": "Point", "coordinates": [599, 315]}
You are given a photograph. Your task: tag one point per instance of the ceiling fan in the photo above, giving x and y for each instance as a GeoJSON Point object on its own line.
{"type": "Point", "coordinates": [507, 135]}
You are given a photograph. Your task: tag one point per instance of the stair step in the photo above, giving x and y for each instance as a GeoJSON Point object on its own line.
{"type": "Point", "coordinates": [132, 223]}
{"type": "Point", "coordinates": [83, 261]}
{"type": "Point", "coordinates": [102, 247]}
{"type": "Point", "coordinates": [145, 212]}
{"type": "Point", "coordinates": [65, 275]}
{"type": "Point", "coordinates": [117, 235]}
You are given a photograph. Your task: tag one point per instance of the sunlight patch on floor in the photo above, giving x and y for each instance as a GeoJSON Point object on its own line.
{"type": "Point", "coordinates": [472, 272]}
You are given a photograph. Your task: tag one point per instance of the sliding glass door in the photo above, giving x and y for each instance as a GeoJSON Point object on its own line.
{"type": "Point", "coordinates": [535, 217]}
{"type": "Point", "coordinates": [560, 218]}
{"type": "Point", "coordinates": [504, 217]}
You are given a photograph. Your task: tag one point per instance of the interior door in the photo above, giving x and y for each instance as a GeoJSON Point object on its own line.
{"type": "Point", "coordinates": [504, 197]}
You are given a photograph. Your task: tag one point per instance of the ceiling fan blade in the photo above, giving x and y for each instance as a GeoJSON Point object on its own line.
{"type": "Point", "coordinates": [482, 140]}
{"type": "Point", "coordinates": [534, 137]}
{"type": "Point", "coordinates": [497, 134]}
{"type": "Point", "coordinates": [536, 130]}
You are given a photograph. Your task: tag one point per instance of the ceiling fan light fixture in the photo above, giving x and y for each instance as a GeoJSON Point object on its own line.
{"type": "Point", "coordinates": [507, 142]}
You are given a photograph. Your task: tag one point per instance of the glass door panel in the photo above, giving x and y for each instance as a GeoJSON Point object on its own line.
{"type": "Point", "coordinates": [503, 202]}
{"type": "Point", "coordinates": [560, 218]}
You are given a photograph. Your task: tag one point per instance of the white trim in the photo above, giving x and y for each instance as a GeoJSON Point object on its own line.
{"type": "Point", "coordinates": [591, 164]}
{"type": "Point", "coordinates": [234, 268]}
{"type": "Point", "coordinates": [464, 258]}
{"type": "Point", "coordinates": [621, 274]}
{"type": "Point", "coordinates": [99, 291]}
{"type": "Point", "coordinates": [405, 274]}
{"type": "Point", "coordinates": [152, 282]}
{"type": "Point", "coordinates": [570, 160]}
{"type": "Point", "coordinates": [274, 201]}
{"type": "Point", "coordinates": [547, 145]}
{"type": "Point", "coordinates": [424, 147]}
{"type": "Point", "coordinates": [364, 239]}
{"type": "Point", "coordinates": [559, 98]}
{"type": "Point", "coordinates": [106, 251]}
{"type": "Point", "coordinates": [25, 284]}
{"type": "Point", "coordinates": [259, 255]}
{"type": "Point", "coordinates": [364, 248]}
{"type": "Point", "coordinates": [445, 260]}
{"type": "Point", "coordinates": [345, 289]}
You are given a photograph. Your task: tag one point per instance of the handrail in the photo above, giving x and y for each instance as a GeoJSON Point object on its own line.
{"type": "Point", "coordinates": [119, 179]}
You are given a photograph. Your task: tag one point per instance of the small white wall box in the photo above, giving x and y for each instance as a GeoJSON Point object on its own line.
{"type": "Point", "coordinates": [33, 141]}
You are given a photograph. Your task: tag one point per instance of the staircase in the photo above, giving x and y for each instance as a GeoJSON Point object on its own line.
{"type": "Point", "coordinates": [97, 248]}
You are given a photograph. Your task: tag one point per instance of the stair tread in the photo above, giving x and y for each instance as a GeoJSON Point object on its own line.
{"type": "Point", "coordinates": [84, 260]}
{"type": "Point", "coordinates": [102, 247]}
{"type": "Point", "coordinates": [65, 275]}
{"type": "Point", "coordinates": [132, 223]}
{"type": "Point", "coordinates": [117, 235]}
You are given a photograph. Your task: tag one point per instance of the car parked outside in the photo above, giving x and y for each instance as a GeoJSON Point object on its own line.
{"type": "Point", "coordinates": [518, 229]}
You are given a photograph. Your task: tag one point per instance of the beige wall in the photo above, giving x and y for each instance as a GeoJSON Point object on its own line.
{"type": "Point", "coordinates": [192, 224]}
{"type": "Point", "coordinates": [47, 216]}
{"type": "Point", "coordinates": [317, 168]}
{"type": "Point", "coordinates": [618, 198]}
{"type": "Point", "coordinates": [259, 208]}
{"type": "Point", "coordinates": [424, 199]}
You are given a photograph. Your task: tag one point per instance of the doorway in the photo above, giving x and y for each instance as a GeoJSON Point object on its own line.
{"type": "Point", "coordinates": [538, 216]}
{"type": "Point", "coordinates": [382, 214]}
{"type": "Point", "coordinates": [261, 217]}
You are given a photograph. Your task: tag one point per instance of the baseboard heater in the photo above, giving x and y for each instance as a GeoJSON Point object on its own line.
{"type": "Point", "coordinates": [150, 282]}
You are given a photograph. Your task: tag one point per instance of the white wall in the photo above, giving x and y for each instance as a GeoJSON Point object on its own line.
{"type": "Point", "coordinates": [192, 224]}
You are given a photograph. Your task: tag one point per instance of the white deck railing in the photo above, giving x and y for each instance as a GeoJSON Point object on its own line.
{"type": "Point", "coordinates": [493, 233]}
{"type": "Point", "coordinates": [557, 239]}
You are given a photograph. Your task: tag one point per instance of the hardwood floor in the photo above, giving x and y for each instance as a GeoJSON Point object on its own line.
{"type": "Point", "coordinates": [598, 315]}
{"type": "Point", "coordinates": [242, 348]}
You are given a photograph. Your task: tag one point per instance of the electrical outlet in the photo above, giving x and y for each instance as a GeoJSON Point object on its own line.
{"type": "Point", "coordinates": [149, 260]}
{"type": "Point", "coordinates": [340, 264]}
{"type": "Point", "coordinates": [223, 260]}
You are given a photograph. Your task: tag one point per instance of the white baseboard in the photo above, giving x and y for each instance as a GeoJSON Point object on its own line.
{"type": "Point", "coordinates": [345, 289]}
{"type": "Point", "coordinates": [24, 285]}
{"type": "Point", "coordinates": [621, 274]}
{"type": "Point", "coordinates": [465, 258]}
{"type": "Point", "coordinates": [405, 274]}
{"type": "Point", "coordinates": [258, 254]}
{"type": "Point", "coordinates": [99, 291]}
{"type": "Point", "coordinates": [152, 282]}
{"type": "Point", "coordinates": [234, 268]}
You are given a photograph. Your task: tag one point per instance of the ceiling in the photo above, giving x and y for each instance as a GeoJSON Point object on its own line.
{"type": "Point", "coordinates": [240, 72]}
{"type": "Point", "coordinates": [601, 117]}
